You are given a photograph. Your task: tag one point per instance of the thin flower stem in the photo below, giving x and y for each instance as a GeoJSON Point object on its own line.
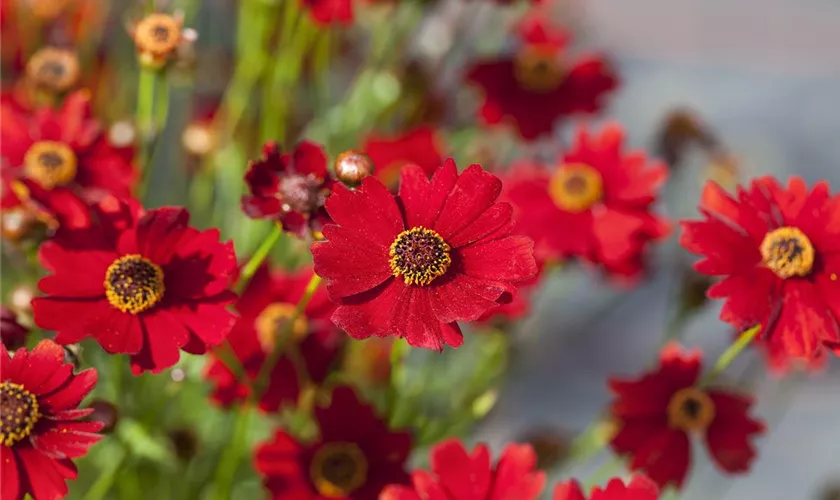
{"type": "Point", "coordinates": [105, 481]}
{"type": "Point", "coordinates": [730, 354]}
{"type": "Point", "coordinates": [146, 122]}
{"type": "Point", "coordinates": [229, 462]}
{"type": "Point", "coordinates": [259, 256]}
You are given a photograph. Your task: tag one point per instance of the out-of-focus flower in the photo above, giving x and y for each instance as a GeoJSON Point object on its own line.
{"type": "Point", "coordinates": [541, 83]}
{"type": "Point", "coordinates": [26, 204]}
{"type": "Point", "coordinates": [352, 166]}
{"type": "Point", "coordinates": [551, 445]}
{"type": "Point", "coordinates": [370, 361]}
{"type": "Point", "coordinates": [639, 488]}
{"type": "Point", "coordinates": [330, 12]}
{"type": "Point", "coordinates": [266, 307]}
{"type": "Point", "coordinates": [21, 298]}
{"type": "Point", "coordinates": [63, 148]}
{"type": "Point", "coordinates": [355, 456]}
{"type": "Point", "coordinates": [420, 146]}
{"type": "Point", "coordinates": [680, 129]}
{"type": "Point", "coordinates": [601, 196]}
{"type": "Point", "coordinates": [199, 138]}
{"type": "Point", "coordinates": [145, 284]}
{"type": "Point", "coordinates": [159, 37]}
{"type": "Point", "coordinates": [53, 70]}
{"type": "Point", "coordinates": [12, 333]}
{"type": "Point", "coordinates": [122, 133]}
{"type": "Point", "coordinates": [775, 248]}
{"type": "Point", "coordinates": [105, 412]}
{"type": "Point", "coordinates": [290, 188]}
{"type": "Point", "coordinates": [457, 474]}
{"type": "Point", "coordinates": [412, 266]}
{"type": "Point", "coordinates": [184, 442]}
{"type": "Point", "coordinates": [46, 10]}
{"type": "Point", "coordinates": [657, 413]}
{"type": "Point", "coordinates": [40, 444]}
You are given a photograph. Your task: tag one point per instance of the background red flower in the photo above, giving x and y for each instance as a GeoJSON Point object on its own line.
{"type": "Point", "coordinates": [639, 488]}
{"type": "Point", "coordinates": [420, 146]}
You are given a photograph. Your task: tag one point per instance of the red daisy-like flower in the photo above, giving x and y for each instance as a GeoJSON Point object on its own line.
{"type": "Point", "coordinates": [145, 284]}
{"type": "Point", "coordinates": [64, 147]}
{"type": "Point", "coordinates": [639, 488]}
{"type": "Point", "coordinates": [329, 12]}
{"type": "Point", "coordinates": [420, 146]}
{"type": "Point", "coordinates": [265, 308]}
{"type": "Point", "coordinates": [55, 208]}
{"type": "Point", "coordinates": [289, 188]}
{"type": "Point", "coordinates": [599, 196]}
{"type": "Point", "coordinates": [778, 250]}
{"type": "Point", "coordinates": [12, 333]}
{"type": "Point", "coordinates": [354, 458]}
{"type": "Point", "coordinates": [541, 82]}
{"type": "Point", "coordinates": [413, 265]}
{"type": "Point", "coordinates": [657, 413]}
{"type": "Point", "coordinates": [459, 475]}
{"type": "Point", "coordinates": [39, 446]}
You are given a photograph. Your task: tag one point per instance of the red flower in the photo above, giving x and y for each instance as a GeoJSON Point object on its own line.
{"type": "Point", "coordinates": [141, 284]}
{"type": "Point", "coordinates": [328, 12]}
{"type": "Point", "coordinates": [541, 83]}
{"type": "Point", "coordinates": [64, 147]}
{"type": "Point", "coordinates": [354, 458]}
{"type": "Point", "coordinates": [420, 146]}
{"type": "Point", "coordinates": [13, 334]}
{"type": "Point", "coordinates": [640, 488]}
{"type": "Point", "coordinates": [55, 208]}
{"type": "Point", "coordinates": [39, 447]}
{"type": "Point", "coordinates": [289, 188]}
{"type": "Point", "coordinates": [457, 475]}
{"type": "Point", "coordinates": [412, 266]}
{"type": "Point", "coordinates": [657, 412]}
{"type": "Point", "coordinates": [600, 197]}
{"type": "Point", "coordinates": [777, 250]}
{"type": "Point", "coordinates": [265, 307]}
{"type": "Point", "coordinates": [519, 305]}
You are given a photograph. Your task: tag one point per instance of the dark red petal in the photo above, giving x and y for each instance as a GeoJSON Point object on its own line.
{"type": "Point", "coordinates": [71, 394]}
{"type": "Point", "coordinates": [473, 194]}
{"type": "Point", "coordinates": [616, 230]}
{"type": "Point", "coordinates": [72, 319]}
{"type": "Point", "coordinates": [679, 368]}
{"type": "Point", "coordinates": [209, 320]}
{"type": "Point", "coordinates": [200, 266]}
{"type": "Point", "coordinates": [803, 321]}
{"type": "Point", "coordinates": [665, 458]}
{"type": "Point", "coordinates": [507, 259]}
{"type": "Point", "coordinates": [159, 231]}
{"type": "Point", "coordinates": [451, 334]}
{"type": "Point", "coordinates": [462, 297]}
{"type": "Point", "coordinates": [164, 336]}
{"type": "Point", "coordinates": [5, 361]}
{"type": "Point", "coordinates": [344, 407]}
{"type": "Point", "coordinates": [463, 475]}
{"type": "Point", "coordinates": [310, 158]}
{"type": "Point", "coordinates": [45, 479]}
{"type": "Point", "coordinates": [753, 297]}
{"type": "Point", "coordinates": [496, 221]}
{"type": "Point", "coordinates": [67, 440]}
{"type": "Point", "coordinates": [369, 210]}
{"type": "Point", "coordinates": [728, 438]}
{"type": "Point", "coordinates": [10, 475]}
{"type": "Point", "coordinates": [517, 477]}
{"type": "Point", "coordinates": [401, 493]}
{"type": "Point", "coordinates": [44, 360]}
{"type": "Point", "coordinates": [413, 318]}
{"type": "Point", "coordinates": [283, 386]}
{"type": "Point", "coordinates": [422, 201]}
{"type": "Point", "coordinates": [369, 313]}
{"type": "Point", "coordinates": [568, 490]}
{"type": "Point", "coordinates": [261, 208]}
{"type": "Point", "coordinates": [350, 262]}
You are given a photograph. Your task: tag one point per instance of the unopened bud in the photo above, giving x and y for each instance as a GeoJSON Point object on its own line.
{"type": "Point", "coordinates": [352, 166]}
{"type": "Point", "coordinates": [105, 412]}
{"type": "Point", "coordinates": [53, 70]}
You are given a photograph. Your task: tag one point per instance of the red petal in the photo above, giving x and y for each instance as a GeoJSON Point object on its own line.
{"type": "Point", "coordinates": [803, 320]}
{"type": "Point", "coordinates": [423, 200]}
{"type": "Point", "coordinates": [728, 438]}
{"type": "Point", "coordinates": [68, 440]}
{"type": "Point", "coordinates": [209, 319]}
{"type": "Point", "coordinates": [350, 262]}
{"type": "Point", "coordinates": [727, 250]}
{"type": "Point", "coordinates": [369, 313]}
{"type": "Point", "coordinates": [754, 297]}
{"type": "Point", "coordinates": [517, 477]}
{"type": "Point", "coordinates": [473, 194]}
{"type": "Point", "coordinates": [117, 332]}
{"type": "Point", "coordinates": [369, 210]}
{"type": "Point", "coordinates": [72, 319]}
{"type": "Point", "coordinates": [45, 479]}
{"type": "Point", "coordinates": [568, 490]}
{"type": "Point", "coordinates": [309, 158]}
{"type": "Point", "coordinates": [75, 273]}
{"type": "Point", "coordinates": [164, 336]}
{"type": "Point", "coordinates": [200, 266]}
{"type": "Point", "coordinates": [665, 458]}
{"type": "Point", "coordinates": [159, 231]}
{"type": "Point", "coordinates": [464, 476]}
{"type": "Point", "coordinates": [70, 395]}
{"type": "Point", "coordinates": [10, 476]}
{"type": "Point", "coordinates": [413, 318]}
{"type": "Point", "coordinates": [496, 221]}
{"type": "Point", "coordinates": [462, 297]}
{"type": "Point", "coordinates": [344, 407]}
{"type": "Point", "coordinates": [507, 259]}
{"type": "Point", "coordinates": [44, 360]}
{"type": "Point", "coordinates": [716, 201]}
{"type": "Point", "coordinates": [402, 493]}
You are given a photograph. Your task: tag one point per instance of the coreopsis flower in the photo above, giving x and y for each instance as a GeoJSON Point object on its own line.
{"type": "Point", "coordinates": [657, 414]}
{"type": "Point", "coordinates": [599, 195]}
{"type": "Point", "coordinates": [40, 429]}
{"type": "Point", "coordinates": [330, 12]}
{"type": "Point", "coordinates": [265, 307]}
{"type": "Point", "coordinates": [290, 188]}
{"type": "Point", "coordinates": [780, 363]}
{"type": "Point", "coordinates": [420, 146]}
{"type": "Point", "coordinates": [774, 248]}
{"type": "Point", "coordinates": [159, 37]}
{"type": "Point", "coordinates": [415, 264]}
{"type": "Point", "coordinates": [458, 475]}
{"type": "Point", "coordinates": [26, 205]}
{"type": "Point", "coordinates": [145, 284]}
{"type": "Point", "coordinates": [64, 148]}
{"type": "Point", "coordinates": [12, 333]}
{"type": "Point", "coordinates": [53, 70]}
{"type": "Point", "coordinates": [541, 82]}
{"type": "Point", "coordinates": [639, 488]}
{"type": "Point", "coordinates": [354, 458]}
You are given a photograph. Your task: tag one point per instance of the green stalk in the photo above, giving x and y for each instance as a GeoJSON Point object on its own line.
{"type": "Point", "coordinates": [730, 354]}
{"type": "Point", "coordinates": [146, 122]}
{"type": "Point", "coordinates": [229, 462]}
{"type": "Point", "coordinates": [105, 481]}
{"type": "Point", "coordinates": [259, 256]}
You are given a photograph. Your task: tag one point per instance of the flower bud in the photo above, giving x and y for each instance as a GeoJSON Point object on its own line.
{"type": "Point", "coordinates": [158, 38]}
{"type": "Point", "coordinates": [105, 412]}
{"type": "Point", "coordinates": [13, 333]}
{"type": "Point", "coordinates": [550, 445]}
{"type": "Point", "coordinates": [185, 442]}
{"type": "Point", "coordinates": [53, 70]}
{"type": "Point", "coordinates": [352, 166]}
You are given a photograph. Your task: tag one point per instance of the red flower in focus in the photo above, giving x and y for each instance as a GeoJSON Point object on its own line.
{"type": "Point", "coordinates": [289, 188]}
{"type": "Point", "coordinates": [780, 363]}
{"type": "Point", "coordinates": [265, 307]}
{"type": "Point", "coordinates": [640, 488]}
{"type": "Point", "coordinates": [412, 266]}
{"type": "Point", "coordinates": [39, 447]}
{"type": "Point", "coordinates": [541, 82]}
{"type": "Point", "coordinates": [147, 285]}
{"type": "Point", "coordinates": [420, 146]}
{"type": "Point", "coordinates": [12, 333]}
{"type": "Point", "coordinates": [657, 412]}
{"type": "Point", "coordinates": [355, 456]}
{"type": "Point", "coordinates": [776, 248]}
{"type": "Point", "coordinates": [64, 147]}
{"type": "Point", "coordinates": [328, 12]}
{"type": "Point", "coordinates": [458, 475]}
{"type": "Point", "coordinates": [599, 196]}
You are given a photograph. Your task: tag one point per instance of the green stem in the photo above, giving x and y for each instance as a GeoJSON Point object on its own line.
{"type": "Point", "coordinates": [229, 462]}
{"type": "Point", "coordinates": [146, 122]}
{"type": "Point", "coordinates": [106, 480]}
{"type": "Point", "coordinates": [259, 256]}
{"type": "Point", "coordinates": [731, 353]}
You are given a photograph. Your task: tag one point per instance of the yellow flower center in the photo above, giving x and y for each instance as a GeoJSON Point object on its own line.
{"type": "Point", "coordinates": [575, 187]}
{"type": "Point", "coordinates": [158, 34]}
{"type": "Point", "coordinates": [338, 469]}
{"type": "Point", "coordinates": [134, 284]}
{"type": "Point", "coordinates": [690, 409]}
{"type": "Point", "coordinates": [50, 164]}
{"type": "Point", "coordinates": [272, 321]}
{"type": "Point", "coordinates": [419, 255]}
{"type": "Point", "coordinates": [537, 68]}
{"type": "Point", "coordinates": [18, 413]}
{"type": "Point", "coordinates": [787, 252]}
{"type": "Point", "coordinates": [56, 70]}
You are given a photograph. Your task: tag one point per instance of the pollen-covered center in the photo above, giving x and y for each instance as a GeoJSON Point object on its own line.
{"type": "Point", "coordinates": [273, 321]}
{"type": "Point", "coordinates": [158, 33]}
{"type": "Point", "coordinates": [419, 255]}
{"type": "Point", "coordinates": [134, 284]}
{"type": "Point", "coordinates": [18, 413]}
{"type": "Point", "coordinates": [338, 469]}
{"type": "Point", "coordinates": [53, 69]}
{"type": "Point", "coordinates": [301, 193]}
{"type": "Point", "coordinates": [538, 69]}
{"type": "Point", "coordinates": [690, 409]}
{"type": "Point", "coordinates": [575, 187]}
{"type": "Point", "coordinates": [50, 164]}
{"type": "Point", "coordinates": [787, 252]}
